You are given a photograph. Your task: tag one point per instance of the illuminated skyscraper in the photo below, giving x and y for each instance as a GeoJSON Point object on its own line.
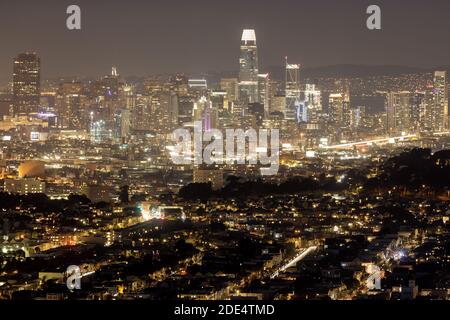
{"type": "Point", "coordinates": [439, 112]}
{"type": "Point", "coordinates": [336, 109]}
{"type": "Point", "coordinates": [264, 91]}
{"type": "Point", "coordinates": [204, 112]}
{"type": "Point", "coordinates": [292, 88]}
{"type": "Point", "coordinates": [313, 100]}
{"type": "Point", "coordinates": [111, 85]}
{"type": "Point", "coordinates": [127, 97]}
{"type": "Point", "coordinates": [185, 107]}
{"type": "Point", "coordinates": [339, 106]}
{"type": "Point", "coordinates": [98, 131]}
{"type": "Point", "coordinates": [418, 111]}
{"type": "Point", "coordinates": [277, 104]}
{"type": "Point", "coordinates": [231, 87]}
{"type": "Point", "coordinates": [427, 108]}
{"type": "Point", "coordinates": [219, 99]}
{"type": "Point", "coordinates": [165, 112]}
{"type": "Point", "coordinates": [26, 83]}
{"type": "Point", "coordinates": [248, 73]}
{"type": "Point", "coordinates": [346, 103]}
{"type": "Point", "coordinates": [399, 112]}
{"type": "Point", "coordinates": [122, 125]}
{"type": "Point", "coordinates": [357, 117]}
{"type": "Point", "coordinates": [70, 106]}
{"type": "Point", "coordinates": [141, 114]}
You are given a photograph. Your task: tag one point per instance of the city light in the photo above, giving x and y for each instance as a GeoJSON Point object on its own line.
{"type": "Point", "coordinates": [146, 154]}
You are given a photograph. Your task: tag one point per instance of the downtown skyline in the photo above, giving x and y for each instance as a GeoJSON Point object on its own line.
{"type": "Point", "coordinates": [290, 150]}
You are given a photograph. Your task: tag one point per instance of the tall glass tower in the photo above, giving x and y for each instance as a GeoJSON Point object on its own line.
{"type": "Point", "coordinates": [439, 111]}
{"type": "Point", "coordinates": [26, 83]}
{"type": "Point", "coordinates": [248, 72]}
{"type": "Point", "coordinates": [292, 90]}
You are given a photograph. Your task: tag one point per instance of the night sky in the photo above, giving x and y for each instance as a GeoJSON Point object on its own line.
{"type": "Point", "coordinates": [158, 36]}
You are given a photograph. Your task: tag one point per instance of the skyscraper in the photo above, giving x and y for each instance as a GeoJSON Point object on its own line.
{"type": "Point", "coordinates": [264, 91]}
{"type": "Point", "coordinates": [248, 72]}
{"type": "Point", "coordinates": [231, 87]}
{"type": "Point", "coordinates": [141, 115]}
{"type": "Point", "coordinates": [357, 117]}
{"type": "Point", "coordinates": [399, 112]}
{"type": "Point", "coordinates": [346, 107]}
{"type": "Point", "coordinates": [313, 100]}
{"type": "Point", "coordinates": [439, 111]}
{"type": "Point", "coordinates": [122, 123]}
{"type": "Point", "coordinates": [165, 112]}
{"type": "Point", "coordinates": [427, 108]}
{"type": "Point", "coordinates": [204, 112]}
{"type": "Point", "coordinates": [26, 83]}
{"type": "Point", "coordinates": [336, 109]}
{"type": "Point", "coordinates": [70, 106]}
{"type": "Point", "coordinates": [292, 88]}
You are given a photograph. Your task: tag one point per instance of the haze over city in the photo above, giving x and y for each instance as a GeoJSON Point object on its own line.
{"type": "Point", "coordinates": [150, 37]}
{"type": "Point", "coordinates": [226, 151]}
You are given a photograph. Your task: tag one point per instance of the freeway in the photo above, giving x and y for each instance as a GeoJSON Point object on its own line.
{"type": "Point", "coordinates": [301, 255]}
{"type": "Point", "coordinates": [370, 142]}
{"type": "Point", "coordinates": [383, 140]}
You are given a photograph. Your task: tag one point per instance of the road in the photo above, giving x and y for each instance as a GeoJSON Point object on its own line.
{"type": "Point", "coordinates": [301, 255]}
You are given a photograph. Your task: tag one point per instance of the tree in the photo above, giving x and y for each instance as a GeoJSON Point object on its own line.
{"type": "Point", "coordinates": [196, 191]}
{"type": "Point", "coordinates": [124, 195]}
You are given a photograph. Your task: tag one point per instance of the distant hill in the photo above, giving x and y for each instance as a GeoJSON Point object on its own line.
{"type": "Point", "coordinates": [332, 71]}
{"type": "Point", "coordinates": [348, 71]}
{"type": "Point", "coordinates": [277, 72]}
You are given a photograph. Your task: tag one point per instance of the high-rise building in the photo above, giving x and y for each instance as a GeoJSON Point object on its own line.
{"type": "Point", "coordinates": [439, 112]}
{"type": "Point", "coordinates": [204, 112]}
{"type": "Point", "coordinates": [219, 99]}
{"type": "Point", "coordinates": [5, 104]}
{"type": "Point", "coordinates": [111, 85]}
{"type": "Point", "coordinates": [418, 111]}
{"type": "Point", "coordinates": [278, 104]}
{"type": "Point", "coordinates": [399, 112]}
{"type": "Point", "coordinates": [248, 72]}
{"type": "Point", "coordinates": [26, 83]}
{"type": "Point", "coordinates": [292, 89]}
{"type": "Point", "coordinates": [313, 100]}
{"type": "Point", "coordinates": [258, 111]}
{"type": "Point", "coordinates": [165, 112]}
{"type": "Point", "coordinates": [346, 103]}
{"type": "Point", "coordinates": [339, 106]}
{"type": "Point", "coordinates": [98, 131]}
{"type": "Point", "coordinates": [70, 106]}
{"type": "Point", "coordinates": [127, 97]}
{"type": "Point", "coordinates": [153, 86]}
{"type": "Point", "coordinates": [122, 121]}
{"type": "Point", "coordinates": [231, 86]}
{"type": "Point", "coordinates": [179, 83]}
{"type": "Point", "coordinates": [358, 117]}
{"type": "Point", "coordinates": [336, 109]}
{"type": "Point", "coordinates": [185, 109]}
{"type": "Point", "coordinates": [221, 107]}
{"type": "Point", "coordinates": [264, 91]}
{"type": "Point", "coordinates": [426, 99]}
{"type": "Point", "coordinates": [141, 114]}
{"type": "Point", "coordinates": [198, 87]}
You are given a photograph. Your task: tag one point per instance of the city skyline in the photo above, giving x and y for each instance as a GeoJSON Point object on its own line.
{"type": "Point", "coordinates": [258, 94]}
{"type": "Point", "coordinates": [261, 181]}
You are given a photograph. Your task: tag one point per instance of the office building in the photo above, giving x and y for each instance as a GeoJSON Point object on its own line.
{"type": "Point", "coordinates": [26, 83]}
{"type": "Point", "coordinates": [248, 72]}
